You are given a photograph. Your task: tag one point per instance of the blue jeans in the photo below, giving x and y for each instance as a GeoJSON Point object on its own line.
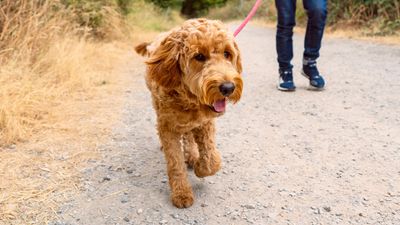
{"type": "Point", "coordinates": [316, 12]}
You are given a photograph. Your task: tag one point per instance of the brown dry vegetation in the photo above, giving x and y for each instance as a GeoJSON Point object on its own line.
{"type": "Point", "coordinates": [42, 59]}
{"type": "Point", "coordinates": [43, 170]}
{"type": "Point", "coordinates": [60, 90]}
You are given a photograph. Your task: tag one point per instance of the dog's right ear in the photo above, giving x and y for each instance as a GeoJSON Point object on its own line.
{"type": "Point", "coordinates": [141, 49]}
{"type": "Point", "coordinates": [163, 65]}
{"type": "Point", "coordinates": [238, 60]}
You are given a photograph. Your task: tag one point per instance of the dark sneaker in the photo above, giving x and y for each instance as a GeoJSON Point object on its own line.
{"type": "Point", "coordinates": [286, 80]}
{"type": "Point", "coordinates": [310, 71]}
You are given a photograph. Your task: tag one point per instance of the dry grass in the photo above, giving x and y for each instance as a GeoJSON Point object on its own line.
{"type": "Point", "coordinates": [42, 59]}
{"type": "Point", "coordinates": [28, 76]}
{"type": "Point", "coordinates": [30, 93]}
{"type": "Point", "coordinates": [359, 34]}
{"type": "Point", "coordinates": [59, 94]}
{"type": "Point", "coordinates": [38, 175]}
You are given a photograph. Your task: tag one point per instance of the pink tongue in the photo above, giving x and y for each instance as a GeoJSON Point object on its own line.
{"type": "Point", "coordinates": [219, 105]}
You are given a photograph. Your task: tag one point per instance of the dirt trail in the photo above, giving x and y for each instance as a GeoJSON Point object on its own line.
{"type": "Point", "coordinates": [330, 157]}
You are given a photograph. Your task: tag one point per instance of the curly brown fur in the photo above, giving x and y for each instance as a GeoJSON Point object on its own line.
{"type": "Point", "coordinates": [188, 70]}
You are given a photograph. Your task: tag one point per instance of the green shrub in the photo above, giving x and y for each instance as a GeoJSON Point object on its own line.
{"type": "Point", "coordinates": [189, 8]}
{"type": "Point", "coordinates": [167, 3]}
{"type": "Point", "coordinates": [96, 16]}
{"type": "Point", "coordinates": [124, 6]}
{"type": "Point", "coordinates": [238, 9]}
{"type": "Point", "coordinates": [150, 17]}
{"type": "Point", "coordinates": [88, 13]}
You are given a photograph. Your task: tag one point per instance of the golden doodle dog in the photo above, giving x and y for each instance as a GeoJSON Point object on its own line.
{"type": "Point", "coordinates": [192, 72]}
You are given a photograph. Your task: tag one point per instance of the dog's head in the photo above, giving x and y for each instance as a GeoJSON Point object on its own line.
{"type": "Point", "coordinates": [202, 57]}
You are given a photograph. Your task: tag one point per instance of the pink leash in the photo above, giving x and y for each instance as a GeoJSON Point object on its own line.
{"type": "Point", "coordinates": [251, 14]}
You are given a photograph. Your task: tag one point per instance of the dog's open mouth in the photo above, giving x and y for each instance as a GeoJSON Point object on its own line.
{"type": "Point", "coordinates": [219, 106]}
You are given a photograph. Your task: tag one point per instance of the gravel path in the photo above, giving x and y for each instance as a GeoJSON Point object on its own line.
{"type": "Point", "coordinates": [306, 157]}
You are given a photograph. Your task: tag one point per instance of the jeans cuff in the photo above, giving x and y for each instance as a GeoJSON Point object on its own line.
{"type": "Point", "coordinates": [307, 61]}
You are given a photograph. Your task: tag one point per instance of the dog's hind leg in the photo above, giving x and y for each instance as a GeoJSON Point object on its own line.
{"type": "Point", "coordinates": [190, 149]}
{"type": "Point", "coordinates": [181, 190]}
{"type": "Point", "coordinates": [209, 161]}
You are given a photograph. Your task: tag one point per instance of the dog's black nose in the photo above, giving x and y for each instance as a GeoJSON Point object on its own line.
{"type": "Point", "coordinates": [227, 88]}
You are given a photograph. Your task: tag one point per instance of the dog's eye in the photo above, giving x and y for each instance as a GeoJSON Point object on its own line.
{"type": "Point", "coordinates": [200, 57]}
{"type": "Point", "coordinates": [227, 54]}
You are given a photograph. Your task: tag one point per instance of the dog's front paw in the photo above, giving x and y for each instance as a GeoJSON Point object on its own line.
{"type": "Point", "coordinates": [204, 168]}
{"type": "Point", "coordinates": [182, 199]}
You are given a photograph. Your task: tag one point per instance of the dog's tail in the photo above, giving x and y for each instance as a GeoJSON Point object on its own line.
{"type": "Point", "coordinates": [142, 50]}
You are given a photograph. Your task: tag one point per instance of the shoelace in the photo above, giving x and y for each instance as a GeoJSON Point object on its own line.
{"type": "Point", "coordinates": [287, 76]}
{"type": "Point", "coordinates": [313, 65]}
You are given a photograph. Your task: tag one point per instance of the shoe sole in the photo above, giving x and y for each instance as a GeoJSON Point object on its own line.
{"type": "Point", "coordinates": [286, 89]}
{"type": "Point", "coordinates": [310, 87]}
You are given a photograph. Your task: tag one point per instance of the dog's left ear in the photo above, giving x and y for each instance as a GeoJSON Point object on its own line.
{"type": "Point", "coordinates": [163, 65]}
{"type": "Point", "coordinates": [238, 60]}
